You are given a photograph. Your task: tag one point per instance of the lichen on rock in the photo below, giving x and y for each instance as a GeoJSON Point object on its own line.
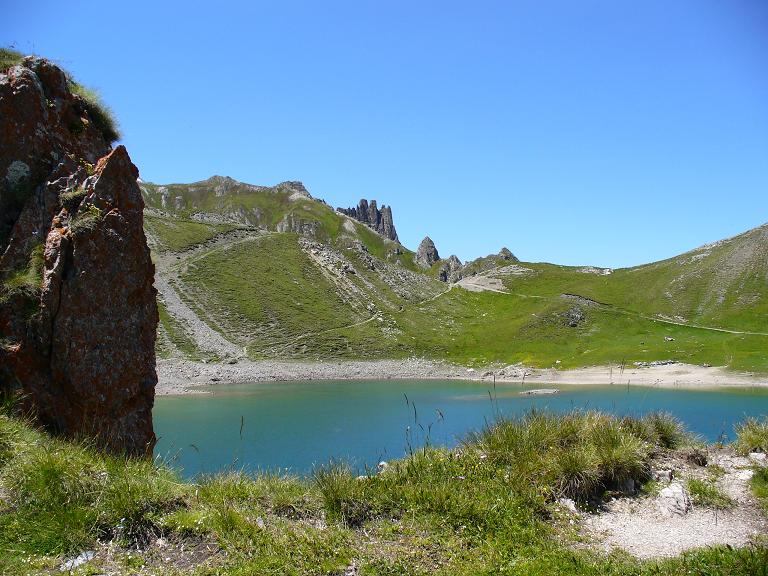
{"type": "Point", "coordinates": [80, 345]}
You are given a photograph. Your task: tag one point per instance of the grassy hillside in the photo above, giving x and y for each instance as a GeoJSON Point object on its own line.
{"type": "Point", "coordinates": [435, 512]}
{"type": "Point", "coordinates": [723, 285]}
{"type": "Point", "coordinates": [287, 207]}
{"type": "Point", "coordinates": [280, 274]}
{"type": "Point", "coordinates": [481, 328]}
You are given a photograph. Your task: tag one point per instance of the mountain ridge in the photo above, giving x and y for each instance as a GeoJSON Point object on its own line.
{"type": "Point", "coordinates": [280, 274]}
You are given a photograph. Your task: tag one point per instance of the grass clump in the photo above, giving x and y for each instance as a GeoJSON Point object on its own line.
{"type": "Point", "coordinates": [71, 199]}
{"type": "Point", "coordinates": [580, 454]}
{"type": "Point", "coordinates": [345, 497]}
{"type": "Point", "coordinates": [101, 114]}
{"type": "Point", "coordinates": [85, 219]}
{"type": "Point", "coordinates": [752, 436]}
{"type": "Point", "coordinates": [9, 57]}
{"type": "Point", "coordinates": [25, 282]}
{"type": "Point", "coordinates": [64, 496]}
{"type": "Point", "coordinates": [759, 485]}
{"type": "Point", "coordinates": [705, 493]}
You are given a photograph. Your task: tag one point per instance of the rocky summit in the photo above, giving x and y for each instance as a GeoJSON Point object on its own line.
{"type": "Point", "coordinates": [370, 215]}
{"type": "Point", "coordinates": [78, 313]}
{"type": "Point", "coordinates": [426, 255]}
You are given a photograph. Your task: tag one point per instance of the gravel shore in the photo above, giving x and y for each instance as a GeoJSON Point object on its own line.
{"type": "Point", "coordinates": [186, 377]}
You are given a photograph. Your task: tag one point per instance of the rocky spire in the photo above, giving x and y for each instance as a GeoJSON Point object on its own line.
{"type": "Point", "coordinates": [370, 215]}
{"type": "Point", "coordinates": [427, 254]}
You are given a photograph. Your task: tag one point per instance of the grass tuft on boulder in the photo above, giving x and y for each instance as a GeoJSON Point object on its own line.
{"type": "Point", "coordinates": [9, 57]}
{"type": "Point", "coordinates": [100, 113]}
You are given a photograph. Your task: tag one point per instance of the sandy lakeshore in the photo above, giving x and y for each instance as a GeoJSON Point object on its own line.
{"type": "Point", "coordinates": [186, 377]}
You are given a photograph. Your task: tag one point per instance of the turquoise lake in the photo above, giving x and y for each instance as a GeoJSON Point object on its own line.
{"type": "Point", "coordinates": [293, 426]}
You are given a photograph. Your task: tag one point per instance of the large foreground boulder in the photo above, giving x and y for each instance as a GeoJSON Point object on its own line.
{"type": "Point", "coordinates": [78, 315]}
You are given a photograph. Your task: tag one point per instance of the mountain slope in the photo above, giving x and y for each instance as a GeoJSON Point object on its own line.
{"type": "Point", "coordinates": [721, 285]}
{"type": "Point", "coordinates": [269, 268]}
{"type": "Point", "coordinates": [270, 272]}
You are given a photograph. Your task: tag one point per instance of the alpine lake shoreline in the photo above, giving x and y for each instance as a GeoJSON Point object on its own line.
{"type": "Point", "coordinates": [178, 376]}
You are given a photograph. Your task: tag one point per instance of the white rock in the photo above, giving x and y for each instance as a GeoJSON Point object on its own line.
{"type": "Point", "coordinates": [568, 504]}
{"type": "Point", "coordinates": [73, 563]}
{"type": "Point", "coordinates": [758, 458]}
{"type": "Point", "coordinates": [674, 500]}
{"type": "Point", "coordinates": [745, 475]}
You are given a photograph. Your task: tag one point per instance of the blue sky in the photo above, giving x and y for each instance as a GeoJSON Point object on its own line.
{"type": "Point", "coordinates": [578, 132]}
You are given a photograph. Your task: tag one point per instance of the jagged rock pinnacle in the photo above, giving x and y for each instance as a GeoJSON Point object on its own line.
{"type": "Point", "coordinates": [369, 214]}
{"type": "Point", "coordinates": [427, 254]}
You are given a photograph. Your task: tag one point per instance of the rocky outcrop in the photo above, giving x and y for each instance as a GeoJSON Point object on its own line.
{"type": "Point", "coordinates": [304, 227]}
{"type": "Point", "coordinates": [78, 314]}
{"type": "Point", "coordinates": [426, 255]}
{"type": "Point", "coordinates": [370, 215]}
{"type": "Point", "coordinates": [506, 254]}
{"type": "Point", "coordinates": [450, 270]}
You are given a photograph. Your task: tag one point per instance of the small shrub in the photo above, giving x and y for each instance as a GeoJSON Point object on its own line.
{"type": "Point", "coordinates": [71, 199]}
{"type": "Point", "coordinates": [705, 493]}
{"type": "Point", "coordinates": [85, 220]}
{"type": "Point", "coordinates": [752, 436]}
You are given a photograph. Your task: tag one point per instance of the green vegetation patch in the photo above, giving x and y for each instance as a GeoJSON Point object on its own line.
{"type": "Point", "coordinates": [72, 198]}
{"type": "Point", "coordinates": [485, 508]}
{"type": "Point", "coordinates": [705, 493]}
{"type": "Point", "coordinates": [85, 220]}
{"type": "Point", "coordinates": [177, 235]}
{"type": "Point", "coordinates": [27, 281]}
{"type": "Point", "coordinates": [267, 290]}
{"type": "Point", "coordinates": [9, 57]}
{"type": "Point", "coordinates": [101, 114]}
{"type": "Point", "coordinates": [759, 485]}
{"type": "Point", "coordinates": [752, 436]}
{"type": "Point", "coordinates": [532, 326]}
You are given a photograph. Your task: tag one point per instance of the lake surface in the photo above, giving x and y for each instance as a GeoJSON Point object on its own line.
{"type": "Point", "coordinates": [293, 426]}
